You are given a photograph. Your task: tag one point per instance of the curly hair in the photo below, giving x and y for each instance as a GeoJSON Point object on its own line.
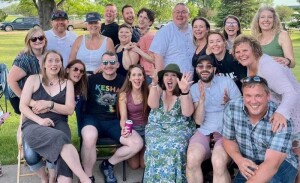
{"type": "Point", "coordinates": [255, 28]}
{"type": "Point", "coordinates": [253, 43]}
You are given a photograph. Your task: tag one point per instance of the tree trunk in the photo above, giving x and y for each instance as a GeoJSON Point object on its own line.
{"type": "Point", "coordinates": [45, 9]}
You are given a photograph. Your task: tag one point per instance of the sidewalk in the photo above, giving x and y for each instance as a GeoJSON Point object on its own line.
{"type": "Point", "coordinates": [10, 174]}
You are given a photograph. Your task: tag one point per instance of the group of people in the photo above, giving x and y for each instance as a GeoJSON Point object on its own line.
{"type": "Point", "coordinates": [182, 88]}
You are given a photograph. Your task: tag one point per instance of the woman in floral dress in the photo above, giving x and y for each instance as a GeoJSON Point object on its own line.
{"type": "Point", "coordinates": [169, 126]}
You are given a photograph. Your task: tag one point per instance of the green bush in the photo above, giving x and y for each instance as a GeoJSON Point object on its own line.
{"type": "Point", "coordinates": [3, 15]}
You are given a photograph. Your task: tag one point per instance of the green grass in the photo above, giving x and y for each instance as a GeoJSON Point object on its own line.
{"type": "Point", "coordinates": [11, 43]}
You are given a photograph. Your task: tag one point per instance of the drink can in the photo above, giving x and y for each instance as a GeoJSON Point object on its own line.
{"type": "Point", "coordinates": [129, 125]}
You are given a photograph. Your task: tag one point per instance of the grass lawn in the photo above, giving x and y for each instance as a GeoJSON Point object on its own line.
{"type": "Point", "coordinates": [11, 43]}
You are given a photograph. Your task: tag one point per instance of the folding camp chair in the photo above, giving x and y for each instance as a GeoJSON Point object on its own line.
{"type": "Point", "coordinates": [3, 85]}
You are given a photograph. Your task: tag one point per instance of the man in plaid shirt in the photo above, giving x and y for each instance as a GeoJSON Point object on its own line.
{"type": "Point", "coordinates": [260, 154]}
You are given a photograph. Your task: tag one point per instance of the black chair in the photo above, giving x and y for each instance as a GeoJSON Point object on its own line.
{"type": "Point", "coordinates": [3, 85]}
{"type": "Point", "coordinates": [110, 143]}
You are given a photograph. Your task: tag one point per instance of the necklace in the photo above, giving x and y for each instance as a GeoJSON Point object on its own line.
{"type": "Point", "coordinates": [51, 83]}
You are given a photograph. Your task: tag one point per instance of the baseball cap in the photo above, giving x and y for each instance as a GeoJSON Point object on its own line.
{"type": "Point", "coordinates": [59, 14]}
{"type": "Point", "coordinates": [93, 17]}
{"type": "Point", "coordinates": [206, 58]}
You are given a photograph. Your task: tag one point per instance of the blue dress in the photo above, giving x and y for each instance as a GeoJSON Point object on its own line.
{"type": "Point", "coordinates": [167, 135]}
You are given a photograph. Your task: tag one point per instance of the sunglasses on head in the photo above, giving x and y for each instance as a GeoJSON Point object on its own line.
{"type": "Point", "coordinates": [111, 62]}
{"type": "Point", "coordinates": [254, 79]}
{"type": "Point", "coordinates": [40, 38]}
{"type": "Point", "coordinates": [75, 69]}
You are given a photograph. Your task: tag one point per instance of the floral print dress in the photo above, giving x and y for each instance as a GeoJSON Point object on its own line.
{"type": "Point", "coordinates": [167, 135]}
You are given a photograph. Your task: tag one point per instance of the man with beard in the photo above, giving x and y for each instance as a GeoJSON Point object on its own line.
{"type": "Point", "coordinates": [59, 39]}
{"type": "Point", "coordinates": [128, 17]}
{"type": "Point", "coordinates": [260, 154]}
{"type": "Point", "coordinates": [210, 95]}
{"type": "Point", "coordinates": [109, 27]}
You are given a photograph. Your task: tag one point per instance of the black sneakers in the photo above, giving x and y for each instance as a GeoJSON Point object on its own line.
{"type": "Point", "coordinates": [108, 172]}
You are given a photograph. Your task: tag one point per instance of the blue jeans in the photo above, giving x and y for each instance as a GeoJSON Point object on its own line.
{"type": "Point", "coordinates": [33, 159]}
{"type": "Point", "coordinates": [285, 174]}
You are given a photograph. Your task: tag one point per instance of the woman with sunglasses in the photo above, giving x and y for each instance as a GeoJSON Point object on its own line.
{"type": "Point", "coordinates": [132, 104]}
{"type": "Point", "coordinates": [45, 126]}
{"type": "Point", "coordinates": [285, 89]}
{"type": "Point", "coordinates": [90, 48]}
{"type": "Point", "coordinates": [124, 50]}
{"type": "Point", "coordinates": [28, 63]}
{"type": "Point", "coordinates": [225, 63]}
{"type": "Point", "coordinates": [267, 29]}
{"type": "Point", "coordinates": [75, 71]}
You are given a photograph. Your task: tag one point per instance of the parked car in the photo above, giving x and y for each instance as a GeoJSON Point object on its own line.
{"type": "Point", "coordinates": [160, 25]}
{"type": "Point", "coordinates": [22, 23]}
{"type": "Point", "coordinates": [76, 22]}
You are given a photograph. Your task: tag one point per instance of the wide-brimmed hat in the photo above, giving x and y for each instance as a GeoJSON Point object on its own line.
{"type": "Point", "coordinates": [92, 17]}
{"type": "Point", "coordinates": [170, 68]}
{"type": "Point", "coordinates": [206, 58]}
{"type": "Point", "coordinates": [59, 14]}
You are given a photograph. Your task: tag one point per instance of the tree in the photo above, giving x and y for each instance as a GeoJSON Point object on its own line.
{"type": "Point", "coordinates": [284, 13]}
{"type": "Point", "coordinates": [243, 9]}
{"type": "Point", "coordinates": [3, 15]}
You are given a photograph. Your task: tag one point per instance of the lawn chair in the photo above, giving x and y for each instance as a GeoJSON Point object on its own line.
{"type": "Point", "coordinates": [3, 85]}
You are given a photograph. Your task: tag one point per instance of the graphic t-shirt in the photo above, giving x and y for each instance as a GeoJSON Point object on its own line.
{"type": "Point", "coordinates": [102, 96]}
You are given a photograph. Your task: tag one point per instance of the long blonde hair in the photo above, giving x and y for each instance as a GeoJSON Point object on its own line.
{"type": "Point", "coordinates": [29, 34]}
{"type": "Point", "coordinates": [255, 28]}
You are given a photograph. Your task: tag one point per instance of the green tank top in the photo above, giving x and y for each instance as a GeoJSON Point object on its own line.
{"type": "Point", "coordinates": [273, 48]}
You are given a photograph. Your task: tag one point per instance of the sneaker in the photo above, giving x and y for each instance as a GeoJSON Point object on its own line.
{"type": "Point", "coordinates": [92, 179]}
{"type": "Point", "coordinates": [108, 173]}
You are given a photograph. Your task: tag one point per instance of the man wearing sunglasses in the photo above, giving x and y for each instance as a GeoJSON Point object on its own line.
{"type": "Point", "coordinates": [209, 95]}
{"type": "Point", "coordinates": [260, 154]}
{"type": "Point", "coordinates": [100, 119]}
{"type": "Point", "coordinates": [58, 37]}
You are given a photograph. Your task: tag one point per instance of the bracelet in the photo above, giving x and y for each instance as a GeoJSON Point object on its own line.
{"type": "Point", "coordinates": [153, 85]}
{"type": "Point", "coordinates": [52, 105]}
{"type": "Point", "coordinates": [185, 93]}
{"type": "Point", "coordinates": [289, 61]}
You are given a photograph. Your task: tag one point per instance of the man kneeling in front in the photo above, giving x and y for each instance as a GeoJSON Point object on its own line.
{"type": "Point", "coordinates": [260, 154]}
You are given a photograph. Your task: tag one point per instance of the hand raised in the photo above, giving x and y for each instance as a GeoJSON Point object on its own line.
{"type": "Point", "coordinates": [185, 82]}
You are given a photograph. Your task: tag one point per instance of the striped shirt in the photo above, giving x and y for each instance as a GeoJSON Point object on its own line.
{"type": "Point", "coordinates": [254, 140]}
{"type": "Point", "coordinates": [29, 64]}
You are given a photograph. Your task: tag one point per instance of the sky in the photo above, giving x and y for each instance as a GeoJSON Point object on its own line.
{"type": "Point", "coordinates": [285, 2]}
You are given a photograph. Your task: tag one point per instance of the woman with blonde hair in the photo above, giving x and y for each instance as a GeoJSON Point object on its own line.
{"type": "Point", "coordinates": [267, 29]}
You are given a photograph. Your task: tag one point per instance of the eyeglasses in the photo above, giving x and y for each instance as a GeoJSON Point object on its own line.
{"type": "Point", "coordinates": [254, 79]}
{"type": "Point", "coordinates": [181, 12]}
{"type": "Point", "coordinates": [40, 38]}
{"type": "Point", "coordinates": [207, 67]}
{"type": "Point", "coordinates": [75, 69]}
{"type": "Point", "coordinates": [111, 62]}
{"type": "Point", "coordinates": [231, 23]}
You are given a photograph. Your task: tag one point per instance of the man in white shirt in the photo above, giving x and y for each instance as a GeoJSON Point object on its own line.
{"type": "Point", "coordinates": [58, 37]}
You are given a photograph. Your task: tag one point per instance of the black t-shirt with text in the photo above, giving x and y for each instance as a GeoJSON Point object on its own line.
{"type": "Point", "coordinates": [102, 96]}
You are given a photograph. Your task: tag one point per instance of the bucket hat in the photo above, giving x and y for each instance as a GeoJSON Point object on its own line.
{"type": "Point", "coordinates": [170, 68]}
